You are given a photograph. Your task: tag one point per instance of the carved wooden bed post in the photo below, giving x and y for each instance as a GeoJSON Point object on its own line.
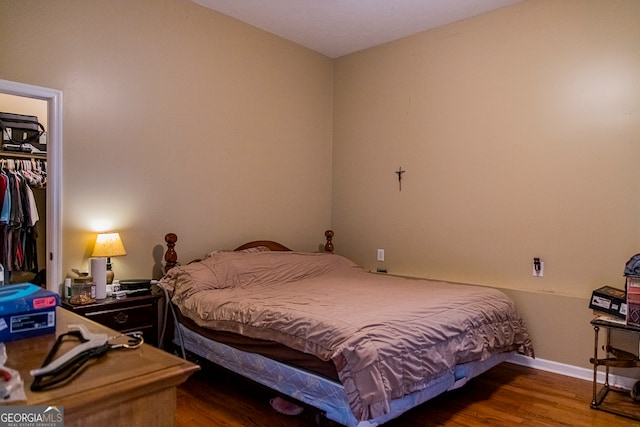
{"type": "Point", "coordinates": [328, 247]}
{"type": "Point", "coordinates": [170, 257]}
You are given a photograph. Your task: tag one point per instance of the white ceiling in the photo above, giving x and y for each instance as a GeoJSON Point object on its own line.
{"type": "Point", "coordinates": [339, 27]}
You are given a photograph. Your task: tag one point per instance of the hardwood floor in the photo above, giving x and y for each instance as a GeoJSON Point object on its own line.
{"type": "Point", "coordinates": [507, 395]}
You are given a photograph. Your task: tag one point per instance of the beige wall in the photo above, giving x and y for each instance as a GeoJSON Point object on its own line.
{"type": "Point", "coordinates": [519, 131]}
{"type": "Point", "coordinates": [177, 119]}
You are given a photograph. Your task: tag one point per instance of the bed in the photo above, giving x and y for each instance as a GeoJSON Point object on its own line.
{"type": "Point", "coordinates": [360, 347]}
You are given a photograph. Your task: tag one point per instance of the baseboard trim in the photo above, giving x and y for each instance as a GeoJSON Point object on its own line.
{"type": "Point", "coordinates": [571, 371]}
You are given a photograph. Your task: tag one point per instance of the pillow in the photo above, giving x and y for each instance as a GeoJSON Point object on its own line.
{"type": "Point", "coordinates": [273, 267]}
{"type": "Point", "coordinates": [188, 279]}
{"type": "Point", "coordinates": [210, 273]}
{"type": "Point", "coordinates": [247, 251]}
{"type": "Point", "coordinates": [222, 270]}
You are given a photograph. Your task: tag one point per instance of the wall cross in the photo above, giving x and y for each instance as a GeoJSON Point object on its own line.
{"type": "Point", "coordinates": [400, 172]}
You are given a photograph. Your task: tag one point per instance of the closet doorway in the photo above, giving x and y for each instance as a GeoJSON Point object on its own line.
{"type": "Point", "coordinates": [53, 235]}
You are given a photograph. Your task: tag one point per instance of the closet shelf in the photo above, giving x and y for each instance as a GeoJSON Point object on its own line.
{"type": "Point", "coordinates": [18, 155]}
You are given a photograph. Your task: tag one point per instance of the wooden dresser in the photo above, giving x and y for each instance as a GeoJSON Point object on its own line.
{"type": "Point", "coordinates": [124, 387]}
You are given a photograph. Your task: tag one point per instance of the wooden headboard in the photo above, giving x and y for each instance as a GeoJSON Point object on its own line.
{"type": "Point", "coordinates": [274, 246]}
{"type": "Point", "coordinates": [171, 257]}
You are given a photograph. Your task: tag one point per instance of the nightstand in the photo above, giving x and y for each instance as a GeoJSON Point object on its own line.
{"type": "Point", "coordinates": [133, 313]}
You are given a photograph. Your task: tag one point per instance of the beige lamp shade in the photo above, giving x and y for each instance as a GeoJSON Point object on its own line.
{"type": "Point", "coordinates": [108, 245]}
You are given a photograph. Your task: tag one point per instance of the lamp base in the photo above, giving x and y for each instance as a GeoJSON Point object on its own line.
{"type": "Point", "coordinates": [110, 276]}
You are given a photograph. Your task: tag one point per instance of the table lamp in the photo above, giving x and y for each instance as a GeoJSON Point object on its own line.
{"type": "Point", "coordinates": [108, 245]}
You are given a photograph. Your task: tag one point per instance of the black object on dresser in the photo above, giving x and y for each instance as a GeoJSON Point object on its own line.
{"type": "Point", "coordinates": [133, 313]}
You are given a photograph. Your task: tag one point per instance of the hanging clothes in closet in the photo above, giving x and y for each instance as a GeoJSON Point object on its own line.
{"type": "Point", "coordinates": [19, 213]}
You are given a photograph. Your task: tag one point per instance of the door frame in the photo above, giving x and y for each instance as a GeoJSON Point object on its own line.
{"type": "Point", "coordinates": [54, 173]}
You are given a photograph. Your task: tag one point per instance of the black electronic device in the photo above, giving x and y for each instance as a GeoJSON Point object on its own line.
{"type": "Point", "coordinates": [136, 286]}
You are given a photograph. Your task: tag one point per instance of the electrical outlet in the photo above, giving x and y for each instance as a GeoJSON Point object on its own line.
{"type": "Point", "coordinates": [380, 254]}
{"type": "Point", "coordinates": [538, 267]}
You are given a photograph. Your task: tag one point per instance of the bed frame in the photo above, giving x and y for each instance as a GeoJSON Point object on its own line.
{"type": "Point", "coordinates": [171, 257]}
{"type": "Point", "coordinates": [325, 396]}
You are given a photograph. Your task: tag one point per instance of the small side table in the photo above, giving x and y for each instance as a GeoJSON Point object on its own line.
{"type": "Point", "coordinates": [133, 313]}
{"type": "Point", "coordinates": [613, 358]}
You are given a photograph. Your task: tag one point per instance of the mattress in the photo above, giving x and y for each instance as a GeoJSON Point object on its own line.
{"type": "Point", "coordinates": [271, 349]}
{"type": "Point", "coordinates": [327, 395]}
